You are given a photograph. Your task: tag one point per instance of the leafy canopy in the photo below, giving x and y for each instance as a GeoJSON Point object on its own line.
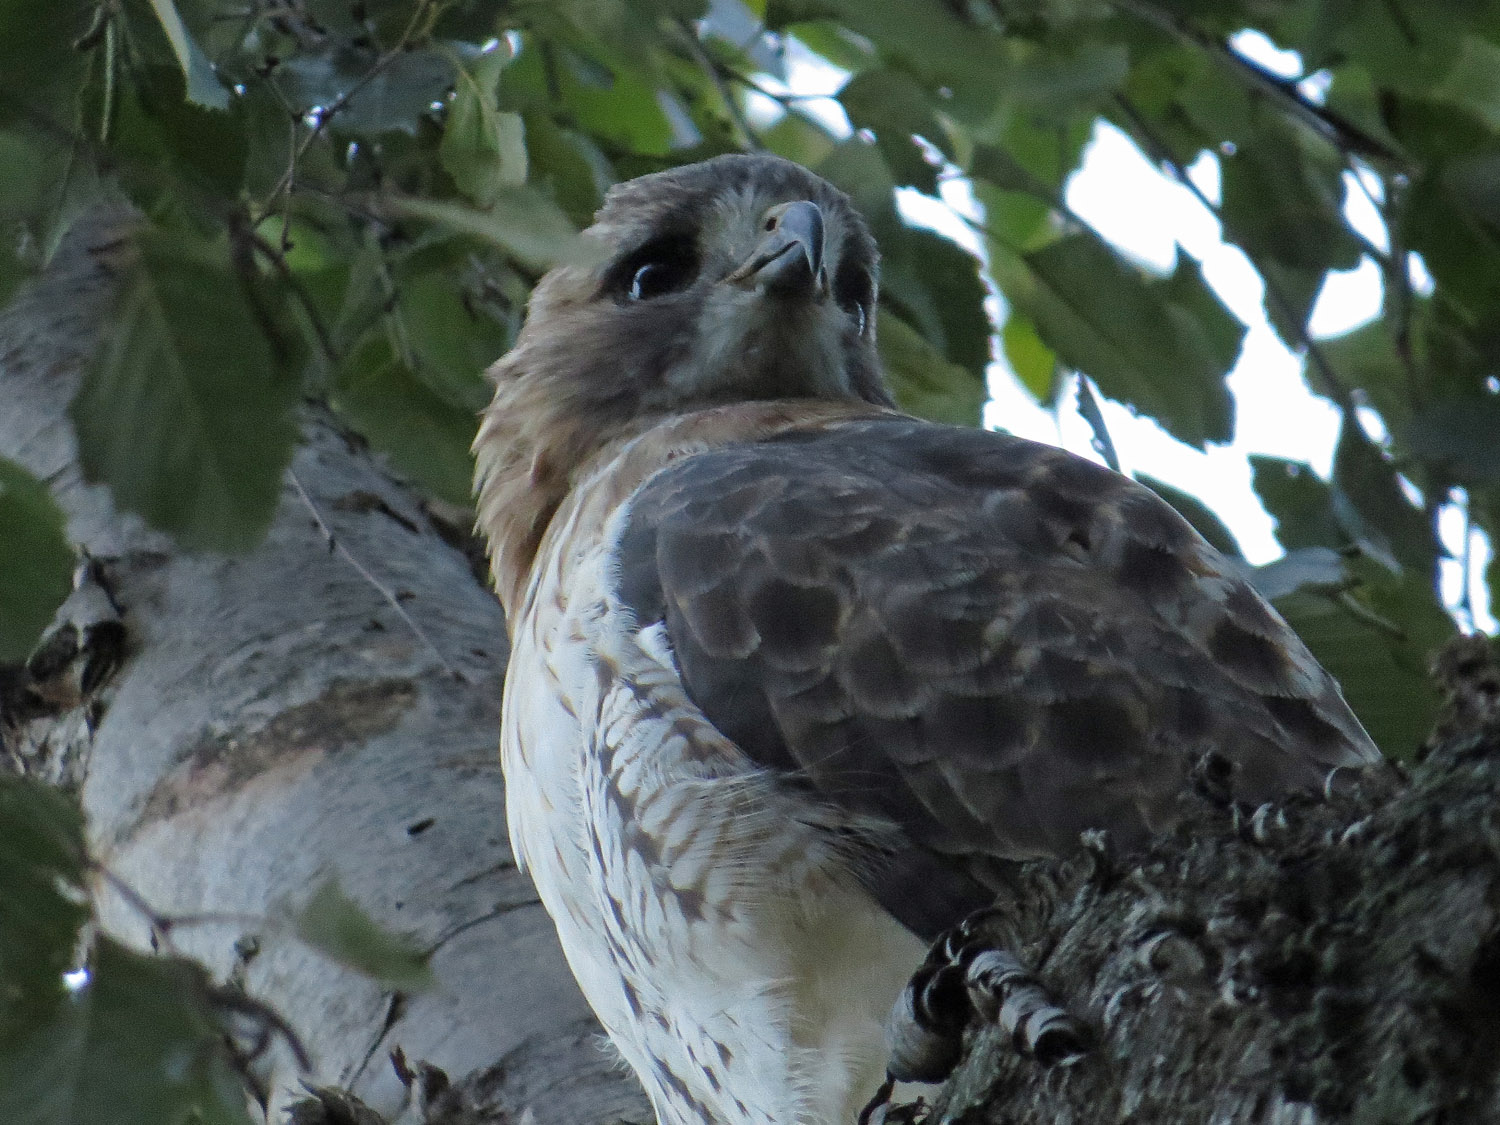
{"type": "Point", "coordinates": [349, 200]}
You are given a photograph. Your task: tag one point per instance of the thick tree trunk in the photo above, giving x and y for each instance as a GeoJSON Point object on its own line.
{"type": "Point", "coordinates": [275, 723]}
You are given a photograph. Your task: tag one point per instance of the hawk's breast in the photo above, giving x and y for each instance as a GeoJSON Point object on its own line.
{"type": "Point", "coordinates": [709, 915]}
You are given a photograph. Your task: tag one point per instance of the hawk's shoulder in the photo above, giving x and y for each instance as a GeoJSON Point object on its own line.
{"type": "Point", "coordinates": [989, 643]}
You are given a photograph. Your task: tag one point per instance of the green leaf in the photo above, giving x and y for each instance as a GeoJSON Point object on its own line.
{"type": "Point", "coordinates": [396, 97]}
{"type": "Point", "coordinates": [1472, 80]}
{"type": "Point", "coordinates": [174, 156]}
{"type": "Point", "coordinates": [567, 163]}
{"type": "Point", "coordinates": [452, 340]}
{"type": "Point", "coordinates": [1377, 640]}
{"type": "Point", "coordinates": [35, 561]}
{"type": "Point", "coordinates": [609, 103]}
{"type": "Point", "coordinates": [521, 222]}
{"type": "Point", "coordinates": [39, 69]}
{"type": "Point", "coordinates": [1461, 250]}
{"type": "Point", "coordinates": [44, 187]}
{"type": "Point", "coordinates": [1034, 363]}
{"type": "Point", "coordinates": [932, 43]}
{"type": "Point", "coordinates": [1474, 181]}
{"type": "Point", "coordinates": [1310, 512]}
{"type": "Point", "coordinates": [895, 108]}
{"type": "Point", "coordinates": [183, 412]}
{"type": "Point", "coordinates": [426, 437]}
{"type": "Point", "coordinates": [1462, 436]}
{"type": "Point", "coordinates": [1364, 474]}
{"type": "Point", "coordinates": [798, 138]}
{"type": "Point", "coordinates": [1302, 505]}
{"type": "Point", "coordinates": [43, 902]}
{"type": "Point", "coordinates": [845, 49]}
{"type": "Point", "coordinates": [923, 382]}
{"type": "Point", "coordinates": [952, 314]}
{"type": "Point", "coordinates": [1001, 168]}
{"type": "Point", "coordinates": [137, 1045]}
{"type": "Point", "coordinates": [935, 285]}
{"type": "Point", "coordinates": [1365, 358]}
{"type": "Point", "coordinates": [1282, 199]}
{"type": "Point", "coordinates": [203, 85]}
{"type": "Point", "coordinates": [483, 147]}
{"type": "Point", "coordinates": [1021, 180]}
{"type": "Point", "coordinates": [1375, 637]}
{"type": "Point", "coordinates": [334, 924]}
{"type": "Point", "coordinates": [1164, 347]}
{"type": "Point", "coordinates": [652, 10]}
{"type": "Point", "coordinates": [1060, 79]}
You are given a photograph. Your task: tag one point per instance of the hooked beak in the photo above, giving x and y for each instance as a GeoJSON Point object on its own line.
{"type": "Point", "coordinates": [789, 259]}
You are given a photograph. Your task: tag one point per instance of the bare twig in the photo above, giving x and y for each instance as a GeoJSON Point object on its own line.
{"type": "Point", "coordinates": [1466, 568]}
{"type": "Point", "coordinates": [277, 258]}
{"type": "Point", "coordinates": [1369, 616]}
{"type": "Point", "coordinates": [1332, 126]}
{"type": "Point", "coordinates": [1398, 284]}
{"type": "Point", "coordinates": [786, 99]}
{"type": "Point", "coordinates": [325, 114]}
{"type": "Point", "coordinates": [716, 75]}
{"type": "Point", "coordinates": [334, 544]}
{"type": "Point", "coordinates": [1088, 406]}
{"type": "Point", "coordinates": [160, 924]}
{"type": "Point", "coordinates": [163, 925]}
{"type": "Point", "coordinates": [234, 1001]}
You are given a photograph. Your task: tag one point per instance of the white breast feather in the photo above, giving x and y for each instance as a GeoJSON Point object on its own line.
{"type": "Point", "coordinates": [709, 922]}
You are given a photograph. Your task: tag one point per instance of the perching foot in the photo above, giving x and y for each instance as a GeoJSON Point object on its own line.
{"type": "Point", "coordinates": [966, 980]}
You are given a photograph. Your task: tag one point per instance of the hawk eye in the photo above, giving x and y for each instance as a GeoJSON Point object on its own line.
{"type": "Point", "coordinates": [652, 279]}
{"type": "Point", "coordinates": [662, 266]}
{"type": "Point", "coordinates": [856, 313]}
{"type": "Point", "coordinates": [854, 291]}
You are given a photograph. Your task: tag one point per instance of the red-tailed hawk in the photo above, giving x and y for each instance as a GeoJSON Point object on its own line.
{"type": "Point", "coordinates": [796, 678]}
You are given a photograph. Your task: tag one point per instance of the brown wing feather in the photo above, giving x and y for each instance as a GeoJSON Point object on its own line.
{"type": "Point", "coordinates": [988, 643]}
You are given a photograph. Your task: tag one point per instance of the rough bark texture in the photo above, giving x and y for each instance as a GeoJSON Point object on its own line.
{"type": "Point", "coordinates": [272, 722]}
{"type": "Point", "coordinates": [1327, 960]}
{"type": "Point", "coordinates": [241, 728]}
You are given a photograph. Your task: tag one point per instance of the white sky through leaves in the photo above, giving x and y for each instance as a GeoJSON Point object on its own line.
{"type": "Point", "coordinates": [1144, 213]}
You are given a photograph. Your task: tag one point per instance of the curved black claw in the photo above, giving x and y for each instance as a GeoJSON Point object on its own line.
{"type": "Point", "coordinates": [880, 1101]}
{"type": "Point", "coordinates": [965, 979]}
{"type": "Point", "coordinates": [881, 1111]}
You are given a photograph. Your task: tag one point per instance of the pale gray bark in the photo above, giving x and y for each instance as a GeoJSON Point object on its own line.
{"type": "Point", "coordinates": [275, 722]}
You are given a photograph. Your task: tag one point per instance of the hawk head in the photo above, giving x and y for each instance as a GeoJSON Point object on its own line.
{"type": "Point", "coordinates": [738, 279]}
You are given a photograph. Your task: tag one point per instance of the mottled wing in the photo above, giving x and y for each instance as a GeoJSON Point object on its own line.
{"type": "Point", "coordinates": [986, 643]}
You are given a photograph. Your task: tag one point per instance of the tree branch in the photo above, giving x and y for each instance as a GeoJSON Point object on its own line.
{"type": "Point", "coordinates": [1311, 960]}
{"type": "Point", "coordinates": [1332, 126]}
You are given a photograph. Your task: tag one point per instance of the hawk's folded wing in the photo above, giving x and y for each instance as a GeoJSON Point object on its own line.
{"type": "Point", "coordinates": [987, 643]}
